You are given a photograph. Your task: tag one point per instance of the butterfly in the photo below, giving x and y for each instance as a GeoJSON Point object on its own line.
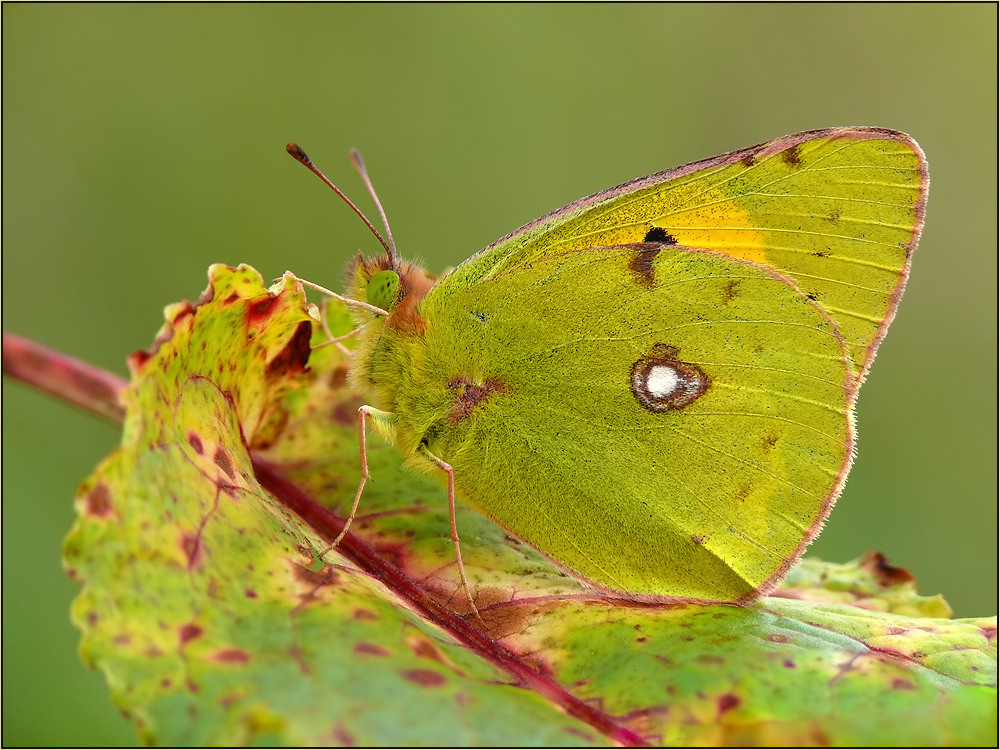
{"type": "Point", "coordinates": [655, 385]}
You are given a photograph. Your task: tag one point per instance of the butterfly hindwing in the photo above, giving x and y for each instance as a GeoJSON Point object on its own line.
{"type": "Point", "coordinates": [561, 428]}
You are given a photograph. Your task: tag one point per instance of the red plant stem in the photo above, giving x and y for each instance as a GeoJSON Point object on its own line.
{"type": "Point", "coordinates": [67, 378]}
{"type": "Point", "coordinates": [99, 392]}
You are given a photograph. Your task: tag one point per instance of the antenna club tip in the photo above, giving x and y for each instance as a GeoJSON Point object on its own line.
{"type": "Point", "coordinates": [297, 153]}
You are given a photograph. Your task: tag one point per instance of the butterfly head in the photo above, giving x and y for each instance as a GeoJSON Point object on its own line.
{"type": "Point", "coordinates": [394, 285]}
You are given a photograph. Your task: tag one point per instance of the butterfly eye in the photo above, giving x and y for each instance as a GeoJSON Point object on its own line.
{"type": "Point", "coordinates": [383, 289]}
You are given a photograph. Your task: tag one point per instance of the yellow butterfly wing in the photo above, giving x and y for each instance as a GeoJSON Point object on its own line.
{"type": "Point", "coordinates": [654, 385]}
{"type": "Point", "coordinates": [838, 211]}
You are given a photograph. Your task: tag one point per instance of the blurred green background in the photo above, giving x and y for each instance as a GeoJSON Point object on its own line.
{"type": "Point", "coordinates": [142, 143]}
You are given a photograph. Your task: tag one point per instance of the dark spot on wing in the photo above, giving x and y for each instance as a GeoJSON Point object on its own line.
{"type": "Point", "coordinates": [468, 395]}
{"type": "Point", "coordinates": [647, 380]}
{"type": "Point", "coordinates": [792, 156]}
{"type": "Point", "coordinates": [731, 290]}
{"type": "Point", "coordinates": [659, 234]}
{"type": "Point", "coordinates": [641, 264]}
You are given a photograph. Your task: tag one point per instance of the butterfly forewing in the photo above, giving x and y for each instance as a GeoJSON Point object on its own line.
{"type": "Point", "coordinates": [839, 212]}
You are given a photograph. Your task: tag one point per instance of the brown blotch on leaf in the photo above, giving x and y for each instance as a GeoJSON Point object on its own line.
{"type": "Point", "coordinates": [769, 442]}
{"type": "Point", "coordinates": [885, 575]}
{"type": "Point", "coordinates": [189, 632]}
{"type": "Point", "coordinates": [195, 442]}
{"type": "Point", "coordinates": [371, 649]}
{"type": "Point", "coordinates": [224, 462]}
{"type": "Point", "coordinates": [792, 156]}
{"type": "Point", "coordinates": [259, 311]}
{"type": "Point", "coordinates": [425, 677]}
{"type": "Point", "coordinates": [777, 638]}
{"type": "Point", "coordinates": [232, 656]}
{"type": "Point", "coordinates": [901, 684]}
{"type": "Point", "coordinates": [364, 614]}
{"type": "Point", "coordinates": [293, 359]}
{"type": "Point", "coordinates": [698, 540]}
{"type": "Point", "coordinates": [468, 395]}
{"type": "Point", "coordinates": [727, 703]}
{"type": "Point", "coordinates": [99, 501]}
{"type": "Point", "coordinates": [338, 378]}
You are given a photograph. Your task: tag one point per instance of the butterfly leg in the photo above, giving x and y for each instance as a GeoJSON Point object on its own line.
{"type": "Point", "coordinates": [446, 467]}
{"type": "Point", "coordinates": [363, 412]}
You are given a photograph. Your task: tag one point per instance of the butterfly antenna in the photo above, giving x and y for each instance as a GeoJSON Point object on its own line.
{"type": "Point", "coordinates": [300, 156]}
{"type": "Point", "coordinates": [359, 164]}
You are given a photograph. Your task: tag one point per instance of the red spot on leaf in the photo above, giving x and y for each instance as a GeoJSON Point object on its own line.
{"type": "Point", "coordinates": [788, 664]}
{"type": "Point", "coordinates": [342, 737]}
{"type": "Point", "coordinates": [189, 542]}
{"type": "Point", "coordinates": [727, 703]}
{"type": "Point", "coordinates": [232, 656]}
{"type": "Point", "coordinates": [189, 632]}
{"type": "Point", "coordinates": [425, 677]}
{"type": "Point", "coordinates": [900, 684]}
{"type": "Point", "coordinates": [250, 594]}
{"type": "Point", "coordinates": [364, 614]}
{"type": "Point", "coordinates": [99, 501]}
{"type": "Point", "coordinates": [195, 442]}
{"type": "Point", "coordinates": [371, 649]}
{"type": "Point", "coordinates": [136, 360]}
{"type": "Point", "coordinates": [258, 312]}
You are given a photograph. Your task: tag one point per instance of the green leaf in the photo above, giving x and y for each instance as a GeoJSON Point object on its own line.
{"type": "Point", "coordinates": [206, 606]}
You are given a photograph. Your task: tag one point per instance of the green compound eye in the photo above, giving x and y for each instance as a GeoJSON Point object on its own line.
{"type": "Point", "coordinates": [383, 289]}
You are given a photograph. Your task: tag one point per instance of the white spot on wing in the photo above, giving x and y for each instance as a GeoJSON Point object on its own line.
{"type": "Point", "coordinates": [661, 381]}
